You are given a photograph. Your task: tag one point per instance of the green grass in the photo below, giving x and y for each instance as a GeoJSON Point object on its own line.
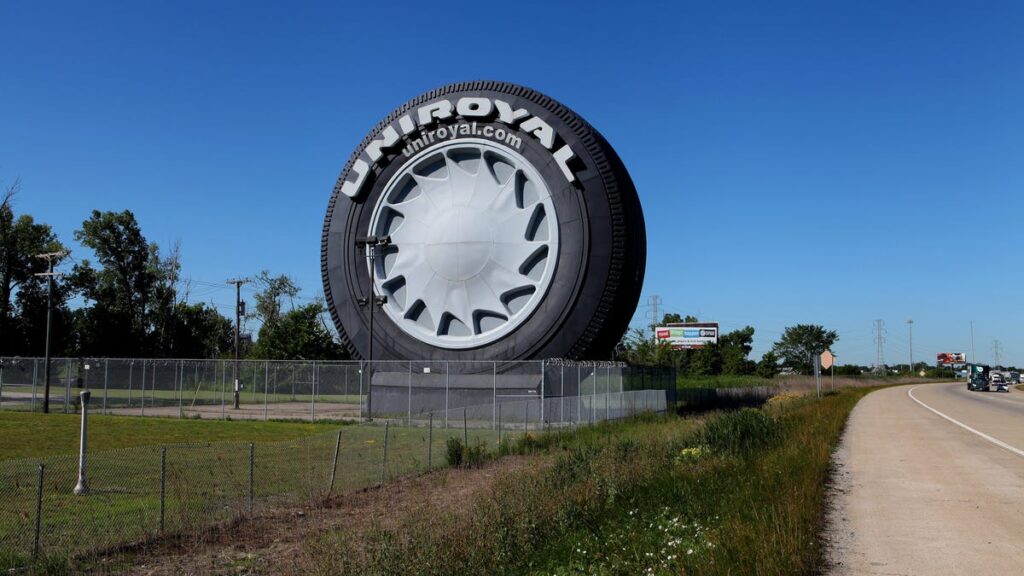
{"type": "Point", "coordinates": [207, 475]}
{"type": "Point", "coordinates": [722, 381]}
{"type": "Point", "coordinates": [732, 493]}
{"type": "Point", "coordinates": [37, 435]}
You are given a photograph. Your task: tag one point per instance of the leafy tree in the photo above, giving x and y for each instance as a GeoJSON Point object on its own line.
{"type": "Point", "coordinates": [734, 347]}
{"type": "Point", "coordinates": [639, 349]}
{"type": "Point", "coordinates": [273, 289]}
{"type": "Point", "coordinates": [800, 343]}
{"type": "Point", "coordinates": [850, 370]}
{"type": "Point", "coordinates": [768, 367]}
{"type": "Point", "coordinates": [298, 334]}
{"type": "Point", "coordinates": [29, 322]}
{"type": "Point", "coordinates": [705, 361]}
{"type": "Point", "coordinates": [200, 331]}
{"type": "Point", "coordinates": [131, 296]}
{"type": "Point", "coordinates": [21, 292]}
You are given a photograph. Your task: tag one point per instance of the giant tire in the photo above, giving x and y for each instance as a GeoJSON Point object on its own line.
{"type": "Point", "coordinates": [593, 285]}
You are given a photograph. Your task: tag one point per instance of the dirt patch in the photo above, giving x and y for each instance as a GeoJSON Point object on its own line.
{"type": "Point", "coordinates": [273, 543]}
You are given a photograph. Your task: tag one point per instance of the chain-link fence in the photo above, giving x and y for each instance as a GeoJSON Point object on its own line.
{"type": "Point", "coordinates": [144, 494]}
{"type": "Point", "coordinates": [557, 392]}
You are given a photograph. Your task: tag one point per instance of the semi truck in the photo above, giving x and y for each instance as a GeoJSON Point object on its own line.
{"type": "Point", "coordinates": [977, 377]}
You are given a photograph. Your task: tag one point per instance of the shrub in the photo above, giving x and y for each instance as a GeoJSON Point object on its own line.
{"type": "Point", "coordinates": [741, 431]}
{"type": "Point", "coordinates": [454, 452]}
{"type": "Point", "coordinates": [474, 456]}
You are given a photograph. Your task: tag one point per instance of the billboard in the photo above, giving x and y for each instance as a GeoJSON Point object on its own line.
{"type": "Point", "coordinates": [687, 335]}
{"type": "Point", "coordinates": [950, 358]}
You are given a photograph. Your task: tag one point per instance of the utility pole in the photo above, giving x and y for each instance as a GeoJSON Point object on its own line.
{"type": "Point", "coordinates": [371, 244]}
{"type": "Point", "coordinates": [239, 311]}
{"type": "Point", "coordinates": [49, 274]}
{"type": "Point", "coordinates": [997, 351]}
{"type": "Point", "coordinates": [880, 345]}
{"type": "Point", "coordinates": [972, 342]}
{"type": "Point", "coordinates": [910, 334]}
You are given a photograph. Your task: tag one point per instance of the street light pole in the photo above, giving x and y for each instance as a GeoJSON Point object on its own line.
{"type": "Point", "coordinates": [910, 334]}
{"type": "Point", "coordinates": [371, 244]}
{"type": "Point", "coordinates": [49, 274]}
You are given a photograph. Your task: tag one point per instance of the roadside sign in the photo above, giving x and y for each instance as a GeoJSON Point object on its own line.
{"type": "Point", "coordinates": [687, 335]}
{"type": "Point", "coordinates": [827, 359]}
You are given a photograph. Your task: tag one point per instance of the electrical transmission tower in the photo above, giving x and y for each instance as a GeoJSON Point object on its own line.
{"type": "Point", "coordinates": [997, 351]}
{"type": "Point", "coordinates": [654, 302]}
{"type": "Point", "coordinates": [880, 345]}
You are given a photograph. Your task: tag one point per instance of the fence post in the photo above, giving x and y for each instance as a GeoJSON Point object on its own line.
{"type": "Point", "coordinates": [131, 370]}
{"type": "Point", "coordinates": [67, 385]}
{"type": "Point", "coordinates": [1, 382]}
{"type": "Point", "coordinates": [499, 424]}
{"type": "Point", "coordinates": [607, 392]}
{"type": "Point", "coordinates": [252, 470]}
{"type": "Point", "coordinates": [494, 394]}
{"type": "Point", "coordinates": [579, 396]}
{"type": "Point", "coordinates": [334, 466]}
{"type": "Point", "coordinates": [82, 487]}
{"type": "Point", "coordinates": [430, 441]}
{"type": "Point", "coordinates": [384, 460]}
{"type": "Point", "coordinates": [181, 387]}
{"type": "Point", "coordinates": [266, 381]}
{"type": "Point", "coordinates": [143, 388]}
{"type": "Point", "coordinates": [223, 400]}
{"type": "Point", "coordinates": [35, 373]}
{"type": "Point", "coordinates": [447, 373]}
{"type": "Point", "coordinates": [312, 395]}
{"type": "Point", "coordinates": [408, 420]}
{"type": "Point", "coordinates": [465, 429]}
{"type": "Point", "coordinates": [39, 510]}
{"type": "Point", "coordinates": [526, 417]}
{"type": "Point", "coordinates": [561, 396]}
{"type": "Point", "coordinates": [163, 484]}
{"type": "Point", "coordinates": [542, 394]}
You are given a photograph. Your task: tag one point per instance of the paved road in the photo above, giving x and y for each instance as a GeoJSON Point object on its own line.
{"type": "Point", "coordinates": [920, 494]}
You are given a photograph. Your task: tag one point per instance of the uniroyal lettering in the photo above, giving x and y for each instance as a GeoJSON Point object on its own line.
{"type": "Point", "coordinates": [470, 108]}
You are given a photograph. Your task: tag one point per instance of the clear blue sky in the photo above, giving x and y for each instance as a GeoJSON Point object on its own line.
{"type": "Point", "coordinates": [839, 162]}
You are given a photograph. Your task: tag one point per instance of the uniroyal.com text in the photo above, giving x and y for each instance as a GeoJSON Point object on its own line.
{"type": "Point", "coordinates": [463, 129]}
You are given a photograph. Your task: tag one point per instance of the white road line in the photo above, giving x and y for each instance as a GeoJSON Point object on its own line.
{"type": "Point", "coordinates": [995, 441]}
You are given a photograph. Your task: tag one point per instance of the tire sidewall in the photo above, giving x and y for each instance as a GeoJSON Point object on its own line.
{"type": "Point", "coordinates": [584, 214]}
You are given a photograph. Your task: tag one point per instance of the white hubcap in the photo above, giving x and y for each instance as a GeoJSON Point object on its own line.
{"type": "Point", "coordinates": [474, 243]}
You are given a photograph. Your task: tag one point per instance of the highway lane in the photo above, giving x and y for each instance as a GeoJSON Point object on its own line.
{"type": "Point", "coordinates": [919, 494]}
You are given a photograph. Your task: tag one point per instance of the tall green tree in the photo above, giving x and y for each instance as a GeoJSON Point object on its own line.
{"type": "Point", "coordinates": [768, 367]}
{"type": "Point", "coordinates": [735, 348]}
{"type": "Point", "coordinates": [270, 295]}
{"type": "Point", "coordinates": [800, 343]}
{"type": "Point", "coordinates": [21, 292]}
{"type": "Point", "coordinates": [200, 331]}
{"type": "Point", "coordinates": [130, 296]}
